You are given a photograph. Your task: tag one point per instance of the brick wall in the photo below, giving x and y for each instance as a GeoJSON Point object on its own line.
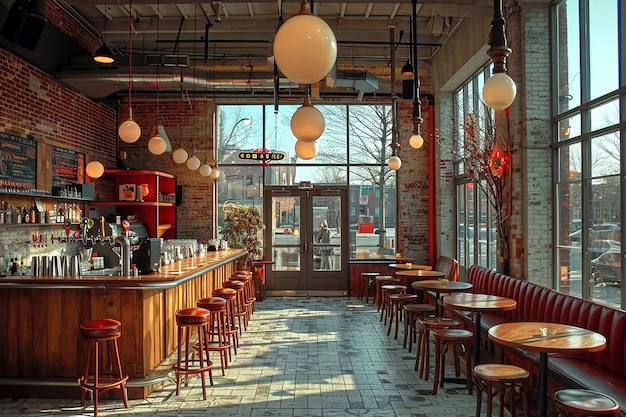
{"type": "Point", "coordinates": [529, 31]}
{"type": "Point", "coordinates": [33, 104]}
{"type": "Point", "coordinates": [194, 217]}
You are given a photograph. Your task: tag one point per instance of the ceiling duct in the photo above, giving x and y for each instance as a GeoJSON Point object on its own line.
{"type": "Point", "coordinates": [98, 82]}
{"type": "Point", "coordinates": [361, 80]}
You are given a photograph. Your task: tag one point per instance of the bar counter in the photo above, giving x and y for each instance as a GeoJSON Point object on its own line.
{"type": "Point", "coordinates": [40, 342]}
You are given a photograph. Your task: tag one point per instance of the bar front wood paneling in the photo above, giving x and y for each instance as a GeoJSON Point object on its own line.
{"type": "Point", "coordinates": [40, 344]}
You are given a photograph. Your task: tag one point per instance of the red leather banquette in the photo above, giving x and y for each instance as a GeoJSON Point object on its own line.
{"type": "Point", "coordinates": [603, 371]}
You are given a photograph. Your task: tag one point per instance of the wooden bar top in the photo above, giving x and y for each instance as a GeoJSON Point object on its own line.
{"type": "Point", "coordinates": [169, 276]}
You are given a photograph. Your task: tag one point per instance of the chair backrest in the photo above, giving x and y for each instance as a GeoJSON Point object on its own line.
{"type": "Point", "coordinates": [448, 266]}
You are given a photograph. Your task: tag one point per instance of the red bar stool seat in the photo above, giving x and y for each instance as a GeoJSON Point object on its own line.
{"type": "Point", "coordinates": [582, 402]}
{"type": "Point", "coordinates": [218, 340]}
{"type": "Point", "coordinates": [232, 331]}
{"type": "Point", "coordinates": [240, 305]}
{"type": "Point", "coordinates": [380, 281]}
{"type": "Point", "coordinates": [189, 320]}
{"type": "Point", "coordinates": [95, 332]}
{"type": "Point", "coordinates": [248, 292]}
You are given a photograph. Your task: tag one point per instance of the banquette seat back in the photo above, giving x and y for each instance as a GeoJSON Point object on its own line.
{"type": "Point", "coordinates": [448, 266]}
{"type": "Point", "coordinates": [538, 303]}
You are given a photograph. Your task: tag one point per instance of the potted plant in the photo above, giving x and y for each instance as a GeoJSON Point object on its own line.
{"type": "Point", "coordinates": [243, 228]}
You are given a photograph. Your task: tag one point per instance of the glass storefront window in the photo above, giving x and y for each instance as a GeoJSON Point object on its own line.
{"type": "Point", "coordinates": [589, 192]}
{"type": "Point", "coordinates": [353, 151]}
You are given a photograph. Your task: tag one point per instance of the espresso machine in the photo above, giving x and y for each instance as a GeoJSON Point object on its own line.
{"type": "Point", "coordinates": [145, 251]}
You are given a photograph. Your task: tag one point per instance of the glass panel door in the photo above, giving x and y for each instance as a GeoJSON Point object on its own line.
{"type": "Point", "coordinates": [307, 236]}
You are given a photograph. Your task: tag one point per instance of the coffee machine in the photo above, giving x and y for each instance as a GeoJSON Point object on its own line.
{"type": "Point", "coordinates": [145, 251]}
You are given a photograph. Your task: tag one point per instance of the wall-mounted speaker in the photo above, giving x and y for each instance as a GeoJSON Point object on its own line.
{"type": "Point", "coordinates": [24, 24]}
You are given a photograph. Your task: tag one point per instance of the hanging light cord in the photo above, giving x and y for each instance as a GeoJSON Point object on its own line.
{"type": "Point", "coordinates": [130, 57]}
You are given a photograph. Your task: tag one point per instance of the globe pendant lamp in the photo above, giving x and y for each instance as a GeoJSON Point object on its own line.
{"type": "Point", "coordinates": [156, 145]}
{"type": "Point", "coordinates": [94, 169]}
{"type": "Point", "coordinates": [215, 173]}
{"type": "Point", "coordinates": [129, 131]}
{"type": "Point", "coordinates": [180, 156]}
{"type": "Point", "coordinates": [193, 163]}
{"type": "Point", "coordinates": [416, 141]}
{"type": "Point", "coordinates": [306, 150]}
{"type": "Point", "coordinates": [205, 170]}
{"type": "Point", "coordinates": [305, 47]}
{"type": "Point", "coordinates": [307, 123]}
{"type": "Point", "coordinates": [394, 163]}
{"type": "Point", "coordinates": [499, 90]}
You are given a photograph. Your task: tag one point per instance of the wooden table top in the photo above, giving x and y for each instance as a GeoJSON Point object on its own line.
{"type": "Point", "coordinates": [421, 273]}
{"type": "Point", "coordinates": [528, 335]}
{"type": "Point", "coordinates": [411, 266]}
{"type": "Point", "coordinates": [438, 286]}
{"type": "Point", "coordinates": [479, 302]}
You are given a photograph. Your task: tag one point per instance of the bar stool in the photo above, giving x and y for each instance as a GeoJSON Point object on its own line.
{"type": "Point", "coordinates": [412, 312]}
{"type": "Point", "coordinates": [188, 320]}
{"type": "Point", "coordinates": [218, 340]}
{"type": "Point", "coordinates": [387, 290]}
{"type": "Point", "coordinates": [248, 291]}
{"type": "Point", "coordinates": [396, 303]}
{"type": "Point", "coordinates": [424, 328]}
{"type": "Point", "coordinates": [95, 332]}
{"type": "Point", "coordinates": [232, 331]}
{"type": "Point", "coordinates": [366, 280]}
{"type": "Point", "coordinates": [505, 377]}
{"type": "Point", "coordinates": [582, 402]}
{"type": "Point", "coordinates": [380, 281]}
{"type": "Point", "coordinates": [456, 338]}
{"type": "Point", "coordinates": [240, 305]}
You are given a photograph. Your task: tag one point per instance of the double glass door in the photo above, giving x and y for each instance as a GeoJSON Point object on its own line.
{"type": "Point", "coordinates": [306, 234]}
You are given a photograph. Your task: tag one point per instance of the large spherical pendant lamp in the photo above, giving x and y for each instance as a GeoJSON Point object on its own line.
{"type": "Point", "coordinates": [307, 123]}
{"type": "Point", "coordinates": [215, 173]}
{"type": "Point", "coordinates": [193, 163]}
{"type": "Point", "coordinates": [129, 131]}
{"type": "Point", "coordinates": [94, 169]}
{"type": "Point", "coordinates": [180, 156]}
{"type": "Point", "coordinates": [305, 47]}
{"type": "Point", "coordinates": [205, 170]}
{"type": "Point", "coordinates": [416, 141]}
{"type": "Point", "coordinates": [156, 145]}
{"type": "Point", "coordinates": [394, 163]}
{"type": "Point", "coordinates": [499, 91]}
{"type": "Point", "coordinates": [306, 150]}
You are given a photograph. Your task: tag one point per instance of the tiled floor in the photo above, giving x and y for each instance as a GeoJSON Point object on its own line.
{"type": "Point", "coordinates": [300, 357]}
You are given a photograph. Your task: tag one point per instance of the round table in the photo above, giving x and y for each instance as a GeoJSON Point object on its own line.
{"type": "Point", "coordinates": [411, 266]}
{"type": "Point", "coordinates": [438, 287]}
{"type": "Point", "coordinates": [528, 336]}
{"type": "Point", "coordinates": [476, 303]}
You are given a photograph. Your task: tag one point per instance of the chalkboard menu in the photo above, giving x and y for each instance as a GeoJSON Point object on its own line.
{"type": "Point", "coordinates": [65, 166]}
{"type": "Point", "coordinates": [18, 163]}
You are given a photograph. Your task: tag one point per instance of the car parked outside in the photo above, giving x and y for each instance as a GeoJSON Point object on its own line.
{"type": "Point", "coordinates": [606, 268]}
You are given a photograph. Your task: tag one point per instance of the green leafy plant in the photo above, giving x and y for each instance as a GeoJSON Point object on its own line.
{"type": "Point", "coordinates": [243, 228]}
